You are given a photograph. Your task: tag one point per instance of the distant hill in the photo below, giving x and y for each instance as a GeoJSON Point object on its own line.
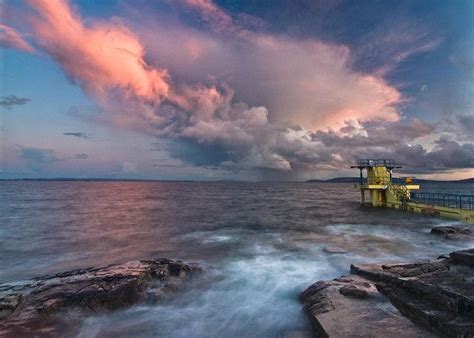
{"type": "Point", "coordinates": [467, 180]}
{"type": "Point", "coordinates": [415, 180]}
{"type": "Point", "coordinates": [335, 180]}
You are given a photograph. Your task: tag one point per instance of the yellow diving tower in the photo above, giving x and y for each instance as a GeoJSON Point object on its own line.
{"type": "Point", "coordinates": [384, 191]}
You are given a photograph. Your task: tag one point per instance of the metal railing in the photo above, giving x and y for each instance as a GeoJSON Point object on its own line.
{"type": "Point", "coordinates": [376, 163]}
{"type": "Point", "coordinates": [444, 200]}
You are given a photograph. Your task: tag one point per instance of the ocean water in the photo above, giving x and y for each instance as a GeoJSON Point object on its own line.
{"type": "Point", "coordinates": [260, 245]}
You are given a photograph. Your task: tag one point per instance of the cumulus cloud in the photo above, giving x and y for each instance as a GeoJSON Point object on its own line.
{"type": "Point", "coordinates": [398, 141]}
{"type": "Point", "coordinates": [251, 101]}
{"type": "Point", "coordinates": [459, 126]}
{"type": "Point", "coordinates": [302, 81]}
{"type": "Point", "coordinates": [76, 134]}
{"type": "Point", "coordinates": [10, 38]}
{"type": "Point", "coordinates": [10, 101]}
{"type": "Point", "coordinates": [211, 14]}
{"type": "Point", "coordinates": [102, 57]}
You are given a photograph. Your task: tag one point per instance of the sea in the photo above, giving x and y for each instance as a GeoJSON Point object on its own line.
{"type": "Point", "coordinates": [260, 245]}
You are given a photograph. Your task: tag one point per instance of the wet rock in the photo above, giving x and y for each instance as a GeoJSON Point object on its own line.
{"type": "Point", "coordinates": [465, 257]}
{"type": "Point", "coordinates": [353, 291]}
{"type": "Point", "coordinates": [449, 230]}
{"type": "Point", "coordinates": [49, 304]}
{"type": "Point", "coordinates": [344, 279]}
{"type": "Point", "coordinates": [335, 312]}
{"type": "Point", "coordinates": [334, 250]}
{"type": "Point", "coordinates": [8, 303]}
{"type": "Point", "coordinates": [453, 232]}
{"type": "Point", "coordinates": [436, 297]}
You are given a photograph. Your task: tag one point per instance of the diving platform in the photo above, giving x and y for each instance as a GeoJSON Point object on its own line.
{"type": "Point", "coordinates": [383, 190]}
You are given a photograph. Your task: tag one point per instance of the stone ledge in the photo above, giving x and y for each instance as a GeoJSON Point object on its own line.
{"type": "Point", "coordinates": [404, 300]}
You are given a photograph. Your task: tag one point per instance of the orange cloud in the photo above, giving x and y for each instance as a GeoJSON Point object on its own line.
{"type": "Point", "coordinates": [302, 81]}
{"type": "Point", "coordinates": [292, 82]}
{"type": "Point", "coordinates": [212, 14]}
{"type": "Point", "coordinates": [100, 58]}
{"type": "Point", "coordinates": [10, 38]}
{"type": "Point", "coordinates": [312, 85]}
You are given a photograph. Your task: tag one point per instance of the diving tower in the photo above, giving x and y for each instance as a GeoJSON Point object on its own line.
{"type": "Point", "coordinates": [383, 190]}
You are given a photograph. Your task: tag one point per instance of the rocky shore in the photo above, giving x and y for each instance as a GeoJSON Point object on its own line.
{"type": "Point", "coordinates": [45, 306]}
{"type": "Point", "coordinates": [421, 299]}
{"type": "Point", "coordinates": [403, 300]}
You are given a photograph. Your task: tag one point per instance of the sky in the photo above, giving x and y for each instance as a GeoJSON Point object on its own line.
{"type": "Point", "coordinates": [242, 90]}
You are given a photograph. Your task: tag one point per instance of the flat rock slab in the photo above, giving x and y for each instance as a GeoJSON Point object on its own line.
{"type": "Point", "coordinates": [45, 306]}
{"type": "Point", "coordinates": [362, 312]}
{"type": "Point", "coordinates": [404, 300]}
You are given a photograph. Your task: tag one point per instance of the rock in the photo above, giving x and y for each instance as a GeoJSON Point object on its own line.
{"type": "Point", "coordinates": [48, 305]}
{"type": "Point", "coordinates": [465, 257]}
{"type": "Point", "coordinates": [334, 250]}
{"type": "Point", "coordinates": [435, 296]}
{"type": "Point", "coordinates": [449, 230]}
{"type": "Point", "coordinates": [453, 232]}
{"type": "Point", "coordinates": [344, 279]}
{"type": "Point", "coordinates": [353, 291]}
{"type": "Point", "coordinates": [333, 314]}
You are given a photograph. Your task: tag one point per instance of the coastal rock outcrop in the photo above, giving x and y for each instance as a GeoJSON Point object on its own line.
{"type": "Point", "coordinates": [404, 300]}
{"type": "Point", "coordinates": [48, 305]}
{"type": "Point", "coordinates": [453, 232]}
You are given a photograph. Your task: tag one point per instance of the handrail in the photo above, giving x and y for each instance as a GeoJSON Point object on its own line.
{"type": "Point", "coordinates": [445, 200]}
{"type": "Point", "coordinates": [375, 163]}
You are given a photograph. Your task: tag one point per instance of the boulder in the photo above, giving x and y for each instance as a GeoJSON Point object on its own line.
{"type": "Point", "coordinates": [465, 257]}
{"type": "Point", "coordinates": [49, 305]}
{"type": "Point", "coordinates": [425, 297]}
{"type": "Point", "coordinates": [453, 232]}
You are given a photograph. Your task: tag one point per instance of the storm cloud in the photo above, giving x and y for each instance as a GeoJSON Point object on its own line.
{"type": "Point", "coordinates": [229, 95]}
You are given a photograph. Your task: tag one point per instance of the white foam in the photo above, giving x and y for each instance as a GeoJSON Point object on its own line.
{"type": "Point", "coordinates": [255, 292]}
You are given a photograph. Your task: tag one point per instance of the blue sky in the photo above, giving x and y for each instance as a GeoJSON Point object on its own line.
{"type": "Point", "coordinates": [287, 90]}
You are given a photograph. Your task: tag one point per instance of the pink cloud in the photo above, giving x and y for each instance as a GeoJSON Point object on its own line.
{"type": "Point", "coordinates": [102, 57]}
{"type": "Point", "coordinates": [276, 82]}
{"type": "Point", "coordinates": [10, 38]}
{"type": "Point", "coordinates": [304, 82]}
{"type": "Point", "coordinates": [211, 14]}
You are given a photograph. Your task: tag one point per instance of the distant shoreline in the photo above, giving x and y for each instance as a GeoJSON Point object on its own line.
{"type": "Point", "coordinates": [332, 180]}
{"type": "Point", "coordinates": [415, 180]}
